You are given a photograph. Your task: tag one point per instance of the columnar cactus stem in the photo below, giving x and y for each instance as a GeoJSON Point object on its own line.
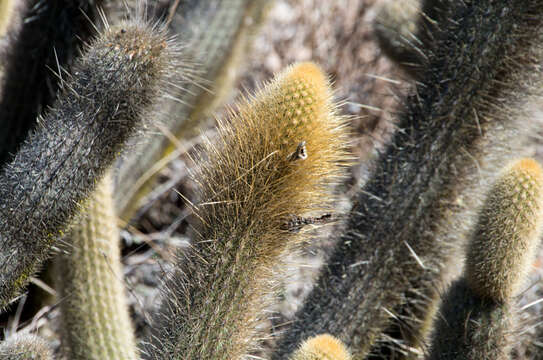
{"type": "Point", "coordinates": [113, 86]}
{"type": "Point", "coordinates": [268, 174]}
{"type": "Point", "coordinates": [475, 320]}
{"type": "Point", "coordinates": [503, 247]}
{"type": "Point", "coordinates": [95, 319]}
{"type": "Point", "coordinates": [467, 113]}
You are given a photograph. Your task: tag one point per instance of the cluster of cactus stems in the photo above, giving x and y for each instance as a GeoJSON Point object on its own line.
{"type": "Point", "coordinates": [217, 35]}
{"type": "Point", "coordinates": [268, 177]}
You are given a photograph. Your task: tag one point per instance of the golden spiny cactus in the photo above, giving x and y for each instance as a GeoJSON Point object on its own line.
{"type": "Point", "coordinates": [506, 237]}
{"type": "Point", "coordinates": [476, 318]}
{"type": "Point", "coordinates": [322, 347]}
{"type": "Point", "coordinates": [268, 174]}
{"type": "Point", "coordinates": [217, 33]}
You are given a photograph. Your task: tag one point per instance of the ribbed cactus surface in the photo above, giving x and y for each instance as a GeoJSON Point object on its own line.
{"type": "Point", "coordinates": [95, 319]}
{"type": "Point", "coordinates": [476, 320]}
{"type": "Point", "coordinates": [504, 244]}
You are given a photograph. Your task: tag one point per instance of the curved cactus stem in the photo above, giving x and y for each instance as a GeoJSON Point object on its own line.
{"type": "Point", "coordinates": [114, 85]}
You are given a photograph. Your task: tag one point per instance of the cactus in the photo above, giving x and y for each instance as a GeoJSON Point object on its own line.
{"type": "Point", "coordinates": [117, 79]}
{"type": "Point", "coordinates": [471, 327]}
{"type": "Point", "coordinates": [96, 323]}
{"type": "Point", "coordinates": [25, 347]}
{"type": "Point", "coordinates": [322, 347]}
{"type": "Point", "coordinates": [463, 121]}
{"type": "Point", "coordinates": [217, 34]}
{"type": "Point", "coordinates": [506, 237]}
{"type": "Point", "coordinates": [269, 170]}
{"type": "Point", "coordinates": [476, 320]}
{"type": "Point", "coordinates": [50, 39]}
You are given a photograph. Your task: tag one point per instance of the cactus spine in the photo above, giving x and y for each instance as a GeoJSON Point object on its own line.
{"type": "Point", "coordinates": [112, 86]}
{"type": "Point", "coordinates": [25, 347]}
{"type": "Point", "coordinates": [475, 320]}
{"type": "Point", "coordinates": [217, 33]}
{"type": "Point", "coordinates": [467, 112]}
{"type": "Point", "coordinates": [95, 319]}
{"type": "Point", "coordinates": [322, 347]}
{"type": "Point", "coordinates": [272, 165]}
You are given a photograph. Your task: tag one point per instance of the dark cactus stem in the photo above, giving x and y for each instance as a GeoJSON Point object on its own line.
{"type": "Point", "coordinates": [52, 34]}
{"type": "Point", "coordinates": [112, 88]}
{"type": "Point", "coordinates": [465, 116]}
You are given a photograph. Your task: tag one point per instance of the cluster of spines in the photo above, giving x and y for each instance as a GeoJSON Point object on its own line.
{"type": "Point", "coordinates": [322, 347]}
{"type": "Point", "coordinates": [25, 347]}
{"type": "Point", "coordinates": [113, 85]}
{"type": "Point", "coordinates": [462, 122]}
{"type": "Point", "coordinates": [278, 157]}
{"type": "Point", "coordinates": [95, 319]}
{"type": "Point", "coordinates": [476, 318]}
